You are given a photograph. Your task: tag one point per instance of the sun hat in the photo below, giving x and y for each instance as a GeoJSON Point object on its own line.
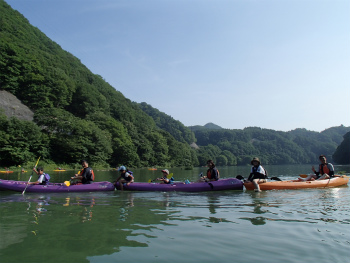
{"type": "Point", "coordinates": [165, 171]}
{"type": "Point", "coordinates": [255, 159]}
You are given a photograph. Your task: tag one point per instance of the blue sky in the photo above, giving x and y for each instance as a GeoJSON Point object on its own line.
{"type": "Point", "coordinates": [276, 64]}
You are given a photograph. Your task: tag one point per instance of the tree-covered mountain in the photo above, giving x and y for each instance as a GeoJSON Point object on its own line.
{"type": "Point", "coordinates": [273, 147]}
{"type": "Point", "coordinates": [165, 122]}
{"type": "Point", "coordinates": [210, 126]}
{"type": "Point", "coordinates": [342, 153]}
{"type": "Point", "coordinates": [79, 115]}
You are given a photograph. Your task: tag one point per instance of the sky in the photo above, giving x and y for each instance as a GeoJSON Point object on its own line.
{"type": "Point", "coordinates": [274, 64]}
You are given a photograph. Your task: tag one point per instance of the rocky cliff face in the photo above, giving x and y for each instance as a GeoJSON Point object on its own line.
{"type": "Point", "coordinates": [13, 107]}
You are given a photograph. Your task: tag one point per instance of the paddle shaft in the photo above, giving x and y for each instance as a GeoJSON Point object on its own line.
{"type": "Point", "coordinates": [31, 176]}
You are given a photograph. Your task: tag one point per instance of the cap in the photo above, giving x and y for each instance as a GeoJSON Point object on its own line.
{"type": "Point", "coordinates": [122, 168]}
{"type": "Point", "coordinates": [165, 171]}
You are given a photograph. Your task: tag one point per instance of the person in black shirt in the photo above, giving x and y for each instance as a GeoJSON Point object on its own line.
{"type": "Point", "coordinates": [86, 175]}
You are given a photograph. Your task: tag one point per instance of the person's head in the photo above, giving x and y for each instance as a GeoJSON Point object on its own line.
{"type": "Point", "coordinates": [84, 163]}
{"type": "Point", "coordinates": [122, 169]}
{"type": "Point", "coordinates": [210, 163]}
{"type": "Point", "coordinates": [165, 172]}
{"type": "Point", "coordinates": [40, 170]}
{"type": "Point", "coordinates": [322, 158]}
{"type": "Point", "coordinates": [255, 161]}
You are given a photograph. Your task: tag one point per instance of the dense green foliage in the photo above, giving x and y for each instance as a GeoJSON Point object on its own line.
{"type": "Point", "coordinates": [273, 147]}
{"type": "Point", "coordinates": [79, 115]}
{"type": "Point", "coordinates": [167, 123]}
{"type": "Point", "coordinates": [342, 154]}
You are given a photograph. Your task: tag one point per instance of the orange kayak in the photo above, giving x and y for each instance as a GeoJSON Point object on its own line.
{"type": "Point", "coordinates": [296, 184]}
{"type": "Point", "coordinates": [6, 172]}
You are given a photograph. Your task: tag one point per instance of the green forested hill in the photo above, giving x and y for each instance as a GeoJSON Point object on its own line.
{"type": "Point", "coordinates": [79, 115]}
{"type": "Point", "coordinates": [342, 153]}
{"type": "Point", "coordinates": [273, 147]}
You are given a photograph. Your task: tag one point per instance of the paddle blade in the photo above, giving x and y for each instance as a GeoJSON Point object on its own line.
{"type": "Point", "coordinates": [149, 180]}
{"type": "Point", "coordinates": [169, 176]}
{"type": "Point", "coordinates": [37, 162]}
{"type": "Point", "coordinates": [67, 183]}
{"type": "Point", "coordinates": [303, 175]}
{"type": "Point", "coordinates": [276, 179]}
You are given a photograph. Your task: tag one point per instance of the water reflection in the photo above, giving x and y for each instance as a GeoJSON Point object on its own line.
{"type": "Point", "coordinates": [259, 205]}
{"type": "Point", "coordinates": [102, 223]}
{"type": "Point", "coordinates": [136, 226]}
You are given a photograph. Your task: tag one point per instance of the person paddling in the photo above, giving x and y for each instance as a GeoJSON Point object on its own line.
{"type": "Point", "coordinates": [43, 177]}
{"type": "Point", "coordinates": [165, 178]}
{"type": "Point", "coordinates": [86, 175]}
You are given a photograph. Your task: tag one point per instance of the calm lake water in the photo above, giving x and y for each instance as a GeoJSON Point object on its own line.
{"type": "Point", "coordinates": [231, 226]}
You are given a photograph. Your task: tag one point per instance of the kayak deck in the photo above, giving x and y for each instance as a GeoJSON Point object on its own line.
{"type": "Point", "coordinates": [296, 184]}
{"type": "Point", "coordinates": [19, 186]}
{"type": "Point", "coordinates": [220, 185]}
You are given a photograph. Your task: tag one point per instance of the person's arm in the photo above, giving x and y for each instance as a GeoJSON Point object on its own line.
{"type": "Point", "coordinates": [79, 175]}
{"type": "Point", "coordinates": [118, 178]}
{"type": "Point", "coordinates": [250, 175]}
{"type": "Point", "coordinates": [313, 169]}
{"type": "Point", "coordinates": [132, 179]}
{"type": "Point", "coordinates": [40, 180]}
{"type": "Point", "coordinates": [331, 169]}
{"type": "Point", "coordinates": [37, 182]}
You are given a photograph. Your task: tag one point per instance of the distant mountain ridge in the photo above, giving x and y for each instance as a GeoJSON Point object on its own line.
{"type": "Point", "coordinates": [209, 126]}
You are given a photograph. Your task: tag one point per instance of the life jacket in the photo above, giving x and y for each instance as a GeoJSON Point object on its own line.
{"type": "Point", "coordinates": [255, 170]}
{"type": "Point", "coordinates": [324, 169]}
{"type": "Point", "coordinates": [209, 173]}
{"type": "Point", "coordinates": [127, 178]}
{"type": "Point", "coordinates": [89, 176]}
{"type": "Point", "coordinates": [46, 178]}
{"type": "Point", "coordinates": [171, 180]}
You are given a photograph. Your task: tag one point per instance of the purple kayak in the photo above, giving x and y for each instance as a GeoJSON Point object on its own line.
{"type": "Point", "coordinates": [19, 186]}
{"type": "Point", "coordinates": [222, 184]}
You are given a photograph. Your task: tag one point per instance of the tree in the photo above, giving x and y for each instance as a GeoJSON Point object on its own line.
{"type": "Point", "coordinates": [342, 153]}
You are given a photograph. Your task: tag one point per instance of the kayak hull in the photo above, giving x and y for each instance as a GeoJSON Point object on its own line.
{"type": "Point", "coordinates": [296, 184]}
{"type": "Point", "coordinates": [220, 185]}
{"type": "Point", "coordinates": [19, 186]}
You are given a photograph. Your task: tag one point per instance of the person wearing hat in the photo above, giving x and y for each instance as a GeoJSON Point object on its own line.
{"type": "Point", "coordinates": [257, 174]}
{"type": "Point", "coordinates": [86, 175]}
{"type": "Point", "coordinates": [212, 173]}
{"type": "Point", "coordinates": [125, 177]}
{"type": "Point", "coordinates": [165, 178]}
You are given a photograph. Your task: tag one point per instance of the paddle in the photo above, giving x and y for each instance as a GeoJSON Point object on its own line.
{"type": "Point", "coordinates": [31, 176]}
{"type": "Point", "coordinates": [303, 175]}
{"type": "Point", "coordinates": [168, 177]}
